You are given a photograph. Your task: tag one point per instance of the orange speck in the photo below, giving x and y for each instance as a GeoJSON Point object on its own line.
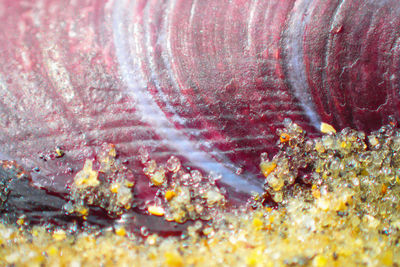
{"type": "Point", "coordinates": [284, 138]}
{"type": "Point", "coordinates": [169, 195]}
{"type": "Point", "coordinates": [315, 191]}
{"type": "Point", "coordinates": [20, 221]}
{"type": "Point", "coordinates": [384, 189]}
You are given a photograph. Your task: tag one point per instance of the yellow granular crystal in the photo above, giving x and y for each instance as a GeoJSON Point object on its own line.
{"type": "Point", "coordinates": [35, 232]}
{"type": "Point", "coordinates": [319, 147]}
{"type": "Point", "coordinates": [258, 223]}
{"type": "Point", "coordinates": [158, 177]}
{"type": "Point", "coordinates": [20, 221]}
{"type": "Point", "coordinates": [114, 187]}
{"type": "Point", "coordinates": [87, 177]}
{"type": "Point", "coordinates": [52, 251]}
{"type": "Point", "coordinates": [120, 231]}
{"type": "Point", "coordinates": [267, 167]}
{"type": "Point", "coordinates": [315, 192]}
{"type": "Point", "coordinates": [256, 258]}
{"type": "Point", "coordinates": [84, 211]}
{"type": "Point", "coordinates": [387, 258]}
{"type": "Point", "coordinates": [156, 210]}
{"type": "Point", "coordinates": [112, 152]}
{"type": "Point", "coordinates": [208, 231]}
{"type": "Point", "coordinates": [59, 152]}
{"type": "Point", "coordinates": [108, 155]}
{"type": "Point", "coordinates": [129, 184]}
{"type": "Point", "coordinates": [320, 261]}
{"type": "Point", "coordinates": [276, 183]}
{"type": "Point", "coordinates": [345, 145]}
{"type": "Point", "coordinates": [179, 216]}
{"type": "Point", "coordinates": [173, 259]}
{"type": "Point", "coordinates": [169, 195]}
{"type": "Point", "coordinates": [213, 197]}
{"type": "Point", "coordinates": [59, 235]}
{"type": "Point", "coordinates": [327, 128]}
{"type": "Point", "coordinates": [253, 260]}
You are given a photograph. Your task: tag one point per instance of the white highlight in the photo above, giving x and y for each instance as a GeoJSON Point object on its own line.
{"type": "Point", "coordinates": [152, 114]}
{"type": "Point", "coordinates": [300, 16]}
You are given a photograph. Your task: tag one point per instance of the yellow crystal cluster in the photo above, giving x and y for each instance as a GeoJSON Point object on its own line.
{"type": "Point", "coordinates": [312, 233]}
{"type": "Point", "coordinates": [109, 187]}
{"type": "Point", "coordinates": [183, 195]}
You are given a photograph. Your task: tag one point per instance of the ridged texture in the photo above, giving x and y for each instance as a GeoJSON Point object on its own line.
{"type": "Point", "coordinates": [207, 80]}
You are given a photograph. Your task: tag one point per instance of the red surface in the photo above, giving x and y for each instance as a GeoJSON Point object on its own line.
{"type": "Point", "coordinates": [219, 71]}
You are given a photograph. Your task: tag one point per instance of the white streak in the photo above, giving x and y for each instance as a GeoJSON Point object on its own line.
{"type": "Point", "coordinates": [294, 34]}
{"type": "Point", "coordinates": [151, 113]}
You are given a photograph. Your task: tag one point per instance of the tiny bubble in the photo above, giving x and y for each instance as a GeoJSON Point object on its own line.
{"type": "Point", "coordinates": [144, 231]}
{"type": "Point", "coordinates": [264, 156]}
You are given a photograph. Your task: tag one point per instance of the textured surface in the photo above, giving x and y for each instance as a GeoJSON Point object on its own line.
{"type": "Point", "coordinates": [209, 81]}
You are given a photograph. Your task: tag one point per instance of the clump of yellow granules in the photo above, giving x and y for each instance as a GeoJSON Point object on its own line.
{"type": "Point", "coordinates": [184, 195]}
{"type": "Point", "coordinates": [300, 234]}
{"type": "Point", "coordinates": [345, 212]}
{"type": "Point", "coordinates": [109, 187]}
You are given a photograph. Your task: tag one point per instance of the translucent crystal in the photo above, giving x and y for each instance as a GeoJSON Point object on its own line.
{"type": "Point", "coordinates": [196, 176]}
{"type": "Point", "coordinates": [264, 156]}
{"type": "Point", "coordinates": [143, 155]}
{"type": "Point", "coordinates": [150, 167]}
{"type": "Point", "coordinates": [173, 164]}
